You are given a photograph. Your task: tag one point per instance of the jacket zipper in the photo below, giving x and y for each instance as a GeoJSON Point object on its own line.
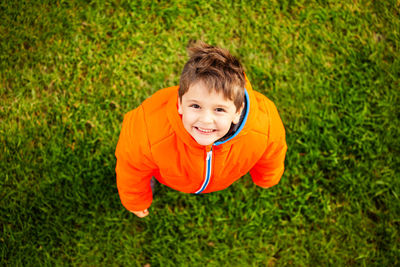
{"type": "Point", "coordinates": [208, 172]}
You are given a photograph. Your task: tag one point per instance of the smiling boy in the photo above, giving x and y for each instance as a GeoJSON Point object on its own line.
{"type": "Point", "coordinates": [200, 136]}
{"type": "Point", "coordinates": [207, 115]}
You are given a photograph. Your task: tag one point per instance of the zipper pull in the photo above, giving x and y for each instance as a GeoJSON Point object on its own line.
{"type": "Point", "coordinates": [209, 153]}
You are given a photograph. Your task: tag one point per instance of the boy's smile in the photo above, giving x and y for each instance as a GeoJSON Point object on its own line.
{"type": "Point", "coordinates": [207, 115]}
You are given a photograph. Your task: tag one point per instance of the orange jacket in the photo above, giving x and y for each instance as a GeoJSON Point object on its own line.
{"type": "Point", "coordinates": [153, 142]}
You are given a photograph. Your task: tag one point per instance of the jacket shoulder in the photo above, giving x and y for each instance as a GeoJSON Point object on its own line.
{"type": "Point", "coordinates": [159, 99]}
{"type": "Point", "coordinates": [262, 117]}
{"type": "Point", "coordinates": [155, 114]}
{"type": "Point", "coordinates": [264, 103]}
{"type": "Point", "coordinates": [269, 121]}
{"type": "Point", "coordinates": [276, 129]}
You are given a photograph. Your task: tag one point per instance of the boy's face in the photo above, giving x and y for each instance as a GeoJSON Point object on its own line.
{"type": "Point", "coordinates": [207, 116]}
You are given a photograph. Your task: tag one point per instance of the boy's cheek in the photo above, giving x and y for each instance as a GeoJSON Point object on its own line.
{"type": "Point", "coordinates": [188, 117]}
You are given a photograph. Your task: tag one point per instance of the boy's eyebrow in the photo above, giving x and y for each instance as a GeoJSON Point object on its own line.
{"type": "Point", "coordinates": [192, 100]}
{"type": "Point", "coordinates": [222, 106]}
{"type": "Point", "coordinates": [197, 102]}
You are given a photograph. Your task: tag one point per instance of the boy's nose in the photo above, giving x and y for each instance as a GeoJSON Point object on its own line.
{"type": "Point", "coordinates": [206, 117]}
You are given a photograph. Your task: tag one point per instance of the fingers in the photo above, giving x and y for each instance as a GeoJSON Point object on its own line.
{"type": "Point", "coordinates": [145, 213]}
{"type": "Point", "coordinates": [140, 214]}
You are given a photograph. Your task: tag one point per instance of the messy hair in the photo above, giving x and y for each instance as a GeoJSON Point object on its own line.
{"type": "Point", "coordinates": [217, 69]}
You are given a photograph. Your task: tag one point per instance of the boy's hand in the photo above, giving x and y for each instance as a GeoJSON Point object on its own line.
{"type": "Point", "coordinates": [140, 214]}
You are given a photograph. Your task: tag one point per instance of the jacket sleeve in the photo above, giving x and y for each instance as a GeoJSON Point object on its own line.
{"type": "Point", "coordinates": [134, 162]}
{"type": "Point", "coordinates": [269, 169]}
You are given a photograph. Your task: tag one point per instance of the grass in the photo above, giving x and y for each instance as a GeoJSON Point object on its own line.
{"type": "Point", "coordinates": [69, 70]}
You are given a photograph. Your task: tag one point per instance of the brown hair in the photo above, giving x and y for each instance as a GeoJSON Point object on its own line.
{"type": "Point", "coordinates": [217, 68]}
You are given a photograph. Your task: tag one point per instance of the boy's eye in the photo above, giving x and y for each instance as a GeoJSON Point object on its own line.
{"type": "Point", "coordinates": [194, 106]}
{"type": "Point", "coordinates": [220, 110]}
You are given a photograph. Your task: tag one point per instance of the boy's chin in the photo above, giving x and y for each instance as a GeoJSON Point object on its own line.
{"type": "Point", "coordinates": [205, 141]}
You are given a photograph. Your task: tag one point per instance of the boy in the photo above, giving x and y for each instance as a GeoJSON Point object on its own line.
{"type": "Point", "coordinates": [200, 136]}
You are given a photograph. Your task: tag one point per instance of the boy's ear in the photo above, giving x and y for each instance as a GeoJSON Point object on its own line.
{"type": "Point", "coordinates": [236, 119]}
{"type": "Point", "coordinates": [180, 111]}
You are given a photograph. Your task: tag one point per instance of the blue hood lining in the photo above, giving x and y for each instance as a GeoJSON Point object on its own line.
{"type": "Point", "coordinates": [247, 99]}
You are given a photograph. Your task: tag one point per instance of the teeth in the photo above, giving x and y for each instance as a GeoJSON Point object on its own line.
{"type": "Point", "coordinates": [204, 130]}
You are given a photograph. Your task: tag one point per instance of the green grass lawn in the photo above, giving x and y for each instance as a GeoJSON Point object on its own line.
{"type": "Point", "coordinates": [70, 70]}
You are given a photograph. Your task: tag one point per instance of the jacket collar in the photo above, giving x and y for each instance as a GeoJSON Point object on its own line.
{"type": "Point", "coordinates": [242, 123]}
